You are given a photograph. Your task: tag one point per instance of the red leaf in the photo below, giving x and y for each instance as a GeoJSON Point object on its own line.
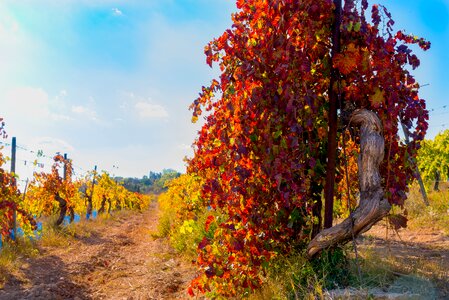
{"type": "Point", "coordinates": [190, 291]}
{"type": "Point", "coordinates": [398, 221]}
{"type": "Point", "coordinates": [203, 243]}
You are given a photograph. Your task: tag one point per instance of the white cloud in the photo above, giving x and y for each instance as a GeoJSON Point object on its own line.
{"type": "Point", "coordinates": [30, 105]}
{"type": "Point", "coordinates": [117, 12]}
{"type": "Point", "coordinates": [28, 100]}
{"type": "Point", "coordinates": [52, 145]}
{"type": "Point", "coordinates": [78, 109]}
{"type": "Point", "coordinates": [147, 110]}
{"type": "Point", "coordinates": [85, 111]}
{"type": "Point", "coordinates": [63, 93]}
{"type": "Point", "coordinates": [185, 147]}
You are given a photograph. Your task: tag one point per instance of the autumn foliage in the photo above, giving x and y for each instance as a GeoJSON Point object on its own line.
{"type": "Point", "coordinates": [262, 150]}
{"type": "Point", "coordinates": [107, 196]}
{"type": "Point", "coordinates": [51, 191]}
{"type": "Point", "coordinates": [10, 199]}
{"type": "Point", "coordinates": [110, 195]}
{"type": "Point", "coordinates": [57, 192]}
{"type": "Point", "coordinates": [347, 176]}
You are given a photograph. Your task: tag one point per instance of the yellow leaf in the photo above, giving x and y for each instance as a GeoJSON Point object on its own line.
{"type": "Point", "coordinates": [377, 98]}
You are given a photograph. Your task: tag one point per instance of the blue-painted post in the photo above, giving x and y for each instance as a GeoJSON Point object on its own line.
{"type": "Point", "coordinates": [13, 171]}
{"type": "Point", "coordinates": [65, 167]}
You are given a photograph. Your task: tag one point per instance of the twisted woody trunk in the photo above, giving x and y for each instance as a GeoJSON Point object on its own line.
{"type": "Point", "coordinates": [373, 205]}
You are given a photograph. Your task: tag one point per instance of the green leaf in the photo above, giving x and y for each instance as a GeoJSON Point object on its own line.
{"type": "Point", "coordinates": [283, 143]}
{"type": "Point", "coordinates": [277, 134]}
{"type": "Point", "coordinates": [350, 26]}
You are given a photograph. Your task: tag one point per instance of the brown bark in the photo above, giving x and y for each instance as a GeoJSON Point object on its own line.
{"type": "Point", "coordinates": [89, 206]}
{"type": "Point", "coordinates": [437, 181]}
{"type": "Point", "coordinates": [103, 205]}
{"type": "Point", "coordinates": [71, 214]}
{"type": "Point", "coordinates": [62, 209]}
{"type": "Point", "coordinates": [373, 204]}
{"type": "Point", "coordinates": [332, 134]}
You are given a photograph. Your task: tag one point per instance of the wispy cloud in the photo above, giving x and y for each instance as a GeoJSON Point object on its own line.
{"type": "Point", "coordinates": [147, 110]}
{"type": "Point", "coordinates": [185, 147]}
{"type": "Point", "coordinates": [31, 105]}
{"type": "Point", "coordinates": [52, 145]}
{"type": "Point", "coordinates": [144, 107]}
{"type": "Point", "coordinates": [117, 12]}
{"type": "Point", "coordinates": [85, 112]}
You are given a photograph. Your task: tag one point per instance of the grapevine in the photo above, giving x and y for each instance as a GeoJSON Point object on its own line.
{"type": "Point", "coordinates": [261, 152]}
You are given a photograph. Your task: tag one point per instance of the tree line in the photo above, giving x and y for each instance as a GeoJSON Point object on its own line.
{"type": "Point", "coordinates": [154, 183]}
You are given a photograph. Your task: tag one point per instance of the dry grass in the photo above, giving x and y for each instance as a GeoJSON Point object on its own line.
{"type": "Point", "coordinates": [436, 215]}
{"type": "Point", "coordinates": [421, 250]}
{"type": "Point", "coordinates": [12, 254]}
{"type": "Point", "coordinates": [416, 255]}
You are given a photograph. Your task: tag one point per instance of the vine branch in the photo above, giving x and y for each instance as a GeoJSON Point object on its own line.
{"type": "Point", "coordinates": [373, 204]}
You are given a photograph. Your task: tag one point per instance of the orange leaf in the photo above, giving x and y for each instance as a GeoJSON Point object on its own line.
{"type": "Point", "coordinates": [209, 220]}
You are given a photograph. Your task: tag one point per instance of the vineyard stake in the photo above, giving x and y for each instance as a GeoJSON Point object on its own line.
{"type": "Point", "coordinates": [418, 174]}
{"type": "Point", "coordinates": [13, 171]}
{"type": "Point", "coordinates": [332, 125]}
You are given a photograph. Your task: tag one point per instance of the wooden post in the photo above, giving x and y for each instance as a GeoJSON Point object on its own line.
{"type": "Point", "coordinates": [418, 174]}
{"type": "Point", "coordinates": [13, 171]}
{"type": "Point", "coordinates": [332, 123]}
{"type": "Point", "coordinates": [65, 167]}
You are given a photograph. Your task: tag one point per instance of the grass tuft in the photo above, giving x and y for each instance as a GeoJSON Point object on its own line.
{"type": "Point", "coordinates": [296, 277]}
{"type": "Point", "coordinates": [12, 253]}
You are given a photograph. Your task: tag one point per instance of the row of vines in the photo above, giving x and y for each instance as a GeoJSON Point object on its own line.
{"type": "Point", "coordinates": [56, 194]}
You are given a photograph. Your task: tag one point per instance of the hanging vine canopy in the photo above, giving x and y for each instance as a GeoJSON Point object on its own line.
{"type": "Point", "coordinates": [262, 149]}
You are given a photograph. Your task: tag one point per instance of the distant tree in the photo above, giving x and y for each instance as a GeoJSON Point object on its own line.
{"type": "Point", "coordinates": [154, 183]}
{"type": "Point", "coordinates": [433, 158]}
{"type": "Point", "coordinates": [166, 176]}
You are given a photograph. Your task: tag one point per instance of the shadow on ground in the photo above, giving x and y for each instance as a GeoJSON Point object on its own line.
{"type": "Point", "coordinates": [42, 278]}
{"type": "Point", "coordinates": [424, 267]}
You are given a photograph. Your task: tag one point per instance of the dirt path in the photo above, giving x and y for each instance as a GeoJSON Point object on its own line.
{"type": "Point", "coordinates": [415, 255]}
{"type": "Point", "coordinates": [119, 260]}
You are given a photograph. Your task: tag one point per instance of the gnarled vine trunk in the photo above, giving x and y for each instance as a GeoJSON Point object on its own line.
{"type": "Point", "coordinates": [71, 214]}
{"type": "Point", "coordinates": [373, 205]}
{"type": "Point", "coordinates": [89, 207]}
{"type": "Point", "coordinates": [62, 209]}
{"type": "Point", "coordinates": [437, 181]}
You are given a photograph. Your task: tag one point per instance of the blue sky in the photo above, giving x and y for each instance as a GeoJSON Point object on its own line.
{"type": "Point", "coordinates": [110, 82]}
